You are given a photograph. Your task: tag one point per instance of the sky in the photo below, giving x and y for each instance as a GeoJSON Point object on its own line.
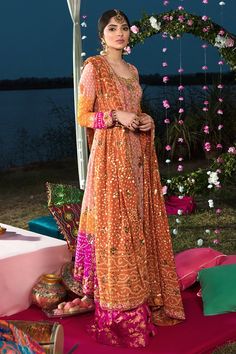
{"type": "Point", "coordinates": [36, 36]}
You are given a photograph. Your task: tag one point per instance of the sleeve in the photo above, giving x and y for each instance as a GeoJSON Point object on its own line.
{"type": "Point", "coordinates": [86, 100]}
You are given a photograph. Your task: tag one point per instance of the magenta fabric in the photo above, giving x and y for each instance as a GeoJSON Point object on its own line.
{"type": "Point", "coordinates": [131, 328]}
{"type": "Point", "coordinates": [174, 203]}
{"type": "Point", "coordinates": [198, 334]}
{"type": "Point", "coordinates": [85, 271]}
{"type": "Point", "coordinates": [189, 262]}
{"type": "Point", "coordinates": [231, 259]}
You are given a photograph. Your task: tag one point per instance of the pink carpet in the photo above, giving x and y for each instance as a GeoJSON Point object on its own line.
{"type": "Point", "coordinates": [197, 335]}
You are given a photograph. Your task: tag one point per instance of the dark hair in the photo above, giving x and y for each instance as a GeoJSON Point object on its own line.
{"type": "Point", "coordinates": [105, 18]}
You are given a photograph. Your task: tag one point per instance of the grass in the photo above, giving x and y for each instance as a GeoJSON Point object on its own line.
{"type": "Point", "coordinates": [23, 197]}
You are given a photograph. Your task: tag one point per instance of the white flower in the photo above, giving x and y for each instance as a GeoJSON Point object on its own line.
{"type": "Point", "coordinates": [211, 203]}
{"type": "Point", "coordinates": [177, 221]}
{"type": "Point", "coordinates": [83, 54]}
{"type": "Point", "coordinates": [200, 242]}
{"type": "Point", "coordinates": [220, 41]}
{"type": "Point", "coordinates": [168, 161]}
{"type": "Point", "coordinates": [175, 231]}
{"type": "Point", "coordinates": [154, 24]}
{"type": "Point", "coordinates": [83, 37]}
{"type": "Point", "coordinates": [180, 196]}
{"type": "Point", "coordinates": [84, 24]}
{"type": "Point", "coordinates": [168, 181]}
{"type": "Point", "coordinates": [180, 212]}
{"type": "Point", "coordinates": [207, 231]}
{"type": "Point", "coordinates": [213, 178]}
{"type": "Point", "coordinates": [181, 189]}
{"type": "Point", "coordinates": [209, 186]}
{"type": "Point", "coordinates": [221, 3]}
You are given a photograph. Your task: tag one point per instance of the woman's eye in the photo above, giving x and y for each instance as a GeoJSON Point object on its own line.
{"type": "Point", "coordinates": [125, 28]}
{"type": "Point", "coordinates": [111, 29]}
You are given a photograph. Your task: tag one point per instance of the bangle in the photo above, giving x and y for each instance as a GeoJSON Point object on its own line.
{"type": "Point", "coordinates": [114, 117]}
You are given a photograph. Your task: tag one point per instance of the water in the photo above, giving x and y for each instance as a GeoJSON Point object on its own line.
{"type": "Point", "coordinates": [30, 110]}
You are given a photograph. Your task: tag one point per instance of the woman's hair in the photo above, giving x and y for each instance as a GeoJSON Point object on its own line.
{"type": "Point", "coordinates": [105, 19]}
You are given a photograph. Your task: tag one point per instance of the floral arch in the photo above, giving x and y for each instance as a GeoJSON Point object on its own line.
{"type": "Point", "coordinates": [177, 22]}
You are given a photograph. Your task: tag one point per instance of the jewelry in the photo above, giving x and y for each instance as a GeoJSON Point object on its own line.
{"type": "Point", "coordinates": [119, 18]}
{"type": "Point", "coordinates": [104, 46]}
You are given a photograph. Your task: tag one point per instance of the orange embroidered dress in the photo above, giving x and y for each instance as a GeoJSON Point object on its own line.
{"type": "Point", "coordinates": [124, 254]}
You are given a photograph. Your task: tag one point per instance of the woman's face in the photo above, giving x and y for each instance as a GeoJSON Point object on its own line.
{"type": "Point", "coordinates": [116, 35]}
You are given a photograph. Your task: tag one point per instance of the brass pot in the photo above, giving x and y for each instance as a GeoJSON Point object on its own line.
{"type": "Point", "coordinates": [48, 292]}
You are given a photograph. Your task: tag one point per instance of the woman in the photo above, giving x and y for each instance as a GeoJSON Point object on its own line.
{"type": "Point", "coordinates": [124, 256]}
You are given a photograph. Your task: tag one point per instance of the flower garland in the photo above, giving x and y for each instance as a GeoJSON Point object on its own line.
{"type": "Point", "coordinates": [177, 22]}
{"type": "Point", "coordinates": [221, 169]}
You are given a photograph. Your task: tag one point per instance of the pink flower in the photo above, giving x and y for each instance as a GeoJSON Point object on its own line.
{"type": "Point", "coordinates": [204, 18]}
{"type": "Point", "coordinates": [127, 49]}
{"type": "Point", "coordinates": [220, 62]}
{"type": "Point", "coordinates": [206, 129]}
{"type": "Point", "coordinates": [180, 159]}
{"type": "Point", "coordinates": [220, 126]}
{"type": "Point", "coordinates": [181, 110]}
{"type": "Point", "coordinates": [181, 87]}
{"type": "Point", "coordinates": [205, 1]}
{"type": "Point", "coordinates": [220, 86]}
{"type": "Point", "coordinates": [164, 50]}
{"type": "Point", "coordinates": [216, 241]}
{"type": "Point", "coordinates": [165, 79]}
{"type": "Point", "coordinates": [167, 121]}
{"type": "Point", "coordinates": [181, 122]}
{"type": "Point", "coordinates": [204, 67]}
{"type": "Point", "coordinates": [134, 29]}
{"type": "Point", "coordinates": [219, 160]}
{"type": "Point", "coordinates": [180, 140]}
{"type": "Point", "coordinates": [229, 42]}
{"type": "Point", "coordinates": [164, 35]}
{"type": "Point", "coordinates": [181, 98]}
{"type": "Point", "coordinates": [164, 190]}
{"type": "Point", "coordinates": [221, 32]}
{"type": "Point", "coordinates": [220, 100]}
{"type": "Point", "coordinates": [207, 146]}
{"type": "Point", "coordinates": [190, 22]}
{"type": "Point", "coordinates": [181, 18]}
{"type": "Point", "coordinates": [180, 70]}
{"type": "Point", "coordinates": [220, 111]}
{"type": "Point", "coordinates": [180, 168]}
{"type": "Point", "coordinates": [168, 147]}
{"type": "Point", "coordinates": [205, 109]}
{"type": "Point", "coordinates": [165, 2]}
{"type": "Point", "coordinates": [206, 29]}
{"type": "Point", "coordinates": [232, 150]}
{"type": "Point", "coordinates": [217, 231]}
{"type": "Point", "coordinates": [204, 46]}
{"type": "Point", "coordinates": [218, 211]}
{"type": "Point", "coordinates": [206, 102]}
{"type": "Point", "coordinates": [219, 146]}
{"type": "Point", "coordinates": [164, 64]}
{"type": "Point", "coordinates": [205, 87]}
{"type": "Point", "coordinates": [180, 8]}
{"type": "Point", "coordinates": [166, 104]}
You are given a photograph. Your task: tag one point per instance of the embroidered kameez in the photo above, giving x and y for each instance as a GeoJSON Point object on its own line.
{"type": "Point", "coordinates": [124, 255]}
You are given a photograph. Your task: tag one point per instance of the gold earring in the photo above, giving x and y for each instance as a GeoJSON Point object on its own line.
{"type": "Point", "coordinates": [104, 47]}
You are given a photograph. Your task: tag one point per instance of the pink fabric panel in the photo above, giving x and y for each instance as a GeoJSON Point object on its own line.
{"type": "Point", "coordinates": [131, 328]}
{"type": "Point", "coordinates": [24, 257]}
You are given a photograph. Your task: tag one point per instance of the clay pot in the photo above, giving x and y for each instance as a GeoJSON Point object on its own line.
{"type": "Point", "coordinates": [48, 292]}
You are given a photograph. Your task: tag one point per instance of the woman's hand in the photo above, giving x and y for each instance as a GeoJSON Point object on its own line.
{"type": "Point", "coordinates": [129, 120]}
{"type": "Point", "coordinates": [146, 122]}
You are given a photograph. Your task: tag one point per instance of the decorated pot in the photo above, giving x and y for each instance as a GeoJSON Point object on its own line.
{"type": "Point", "coordinates": [48, 292]}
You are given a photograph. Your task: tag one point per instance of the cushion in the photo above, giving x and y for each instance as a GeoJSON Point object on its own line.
{"type": "Point", "coordinates": [61, 194]}
{"type": "Point", "coordinates": [174, 203]}
{"type": "Point", "coordinates": [218, 285]}
{"type": "Point", "coordinates": [45, 225]}
{"type": "Point", "coordinates": [189, 262]}
{"type": "Point", "coordinates": [229, 260]}
{"type": "Point", "coordinates": [64, 203]}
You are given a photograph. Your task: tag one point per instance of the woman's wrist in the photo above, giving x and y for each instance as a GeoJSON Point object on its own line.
{"type": "Point", "coordinates": [115, 119]}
